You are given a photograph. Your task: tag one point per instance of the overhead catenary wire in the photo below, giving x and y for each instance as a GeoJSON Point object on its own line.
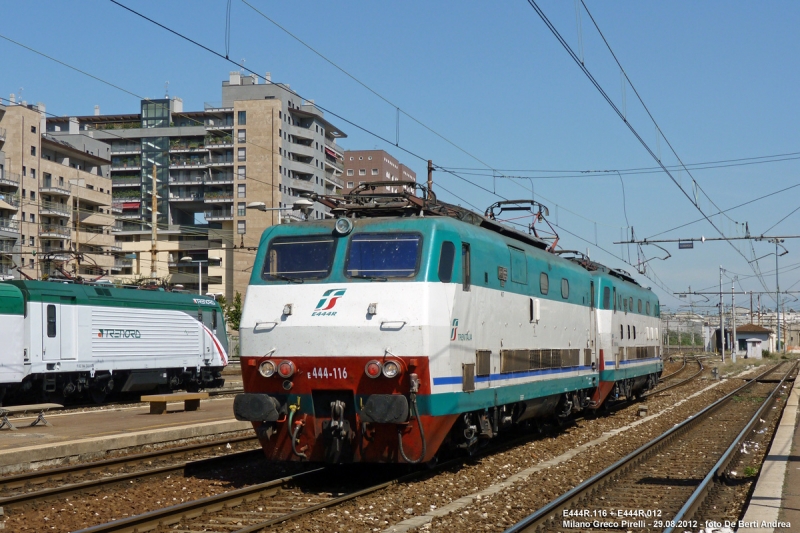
{"type": "Point", "coordinates": [254, 73]}
{"type": "Point", "coordinates": [622, 117]}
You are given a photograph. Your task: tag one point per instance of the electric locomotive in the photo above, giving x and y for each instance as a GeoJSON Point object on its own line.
{"type": "Point", "coordinates": [65, 340]}
{"type": "Point", "coordinates": [406, 325]}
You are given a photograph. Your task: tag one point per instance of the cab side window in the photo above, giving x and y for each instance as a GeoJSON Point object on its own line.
{"type": "Point", "coordinates": [446, 259]}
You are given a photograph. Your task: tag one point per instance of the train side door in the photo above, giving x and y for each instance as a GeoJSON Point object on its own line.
{"type": "Point", "coordinates": [205, 343]}
{"type": "Point", "coordinates": [51, 332]}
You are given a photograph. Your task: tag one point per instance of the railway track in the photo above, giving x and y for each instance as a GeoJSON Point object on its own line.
{"type": "Point", "coordinates": [662, 486]}
{"type": "Point", "coordinates": [697, 360]}
{"type": "Point", "coordinates": [38, 486]}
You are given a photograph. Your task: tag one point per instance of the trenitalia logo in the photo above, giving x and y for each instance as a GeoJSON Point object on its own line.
{"type": "Point", "coordinates": [454, 329]}
{"type": "Point", "coordinates": [119, 334]}
{"type": "Point", "coordinates": [328, 301]}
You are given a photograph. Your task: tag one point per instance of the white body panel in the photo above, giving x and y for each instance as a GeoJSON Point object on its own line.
{"type": "Point", "coordinates": [98, 338]}
{"type": "Point", "coordinates": [12, 361]}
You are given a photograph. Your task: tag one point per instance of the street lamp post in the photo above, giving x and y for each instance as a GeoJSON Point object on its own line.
{"type": "Point", "coordinates": [778, 292]}
{"type": "Point", "coordinates": [188, 259]}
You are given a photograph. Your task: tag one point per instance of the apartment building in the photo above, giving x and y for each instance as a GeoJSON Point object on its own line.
{"type": "Point", "coordinates": [363, 166]}
{"type": "Point", "coordinates": [259, 143]}
{"type": "Point", "coordinates": [56, 217]}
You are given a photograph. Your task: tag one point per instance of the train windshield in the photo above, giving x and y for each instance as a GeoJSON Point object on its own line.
{"type": "Point", "coordinates": [296, 259]}
{"type": "Point", "coordinates": [379, 256]}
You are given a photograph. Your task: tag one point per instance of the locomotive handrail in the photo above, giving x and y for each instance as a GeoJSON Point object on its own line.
{"type": "Point", "coordinates": [271, 323]}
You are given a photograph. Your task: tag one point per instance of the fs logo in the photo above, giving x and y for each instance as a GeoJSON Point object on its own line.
{"type": "Point", "coordinates": [454, 329]}
{"type": "Point", "coordinates": [328, 301]}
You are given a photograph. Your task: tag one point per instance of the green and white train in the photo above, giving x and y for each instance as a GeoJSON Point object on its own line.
{"type": "Point", "coordinates": [407, 325]}
{"type": "Point", "coordinates": [64, 340]}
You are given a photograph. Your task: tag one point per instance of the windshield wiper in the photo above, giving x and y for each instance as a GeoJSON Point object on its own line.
{"type": "Point", "coordinates": [287, 278]}
{"type": "Point", "coordinates": [366, 276]}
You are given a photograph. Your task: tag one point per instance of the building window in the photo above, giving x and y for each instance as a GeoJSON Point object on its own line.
{"type": "Point", "coordinates": [242, 118]}
{"type": "Point", "coordinates": [351, 158]}
{"type": "Point", "coordinates": [241, 136]}
{"type": "Point", "coordinates": [33, 194]}
{"type": "Point", "coordinates": [362, 172]}
{"type": "Point", "coordinates": [350, 172]}
{"type": "Point", "coordinates": [33, 150]}
{"type": "Point", "coordinates": [242, 154]}
{"type": "Point", "coordinates": [33, 173]}
{"type": "Point", "coordinates": [240, 191]}
{"type": "Point", "coordinates": [241, 227]}
{"type": "Point", "coordinates": [33, 129]}
{"type": "Point", "coordinates": [30, 265]}
{"type": "Point", "coordinates": [24, 171]}
{"type": "Point", "coordinates": [33, 241]}
{"type": "Point", "coordinates": [241, 170]}
{"type": "Point", "coordinates": [350, 184]}
{"type": "Point", "coordinates": [374, 171]}
{"type": "Point", "coordinates": [240, 209]}
{"type": "Point", "coordinates": [33, 217]}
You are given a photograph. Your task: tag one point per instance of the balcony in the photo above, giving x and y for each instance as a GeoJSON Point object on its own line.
{"type": "Point", "coordinates": [335, 148]}
{"type": "Point", "coordinates": [52, 187]}
{"type": "Point", "coordinates": [217, 142]}
{"type": "Point", "coordinates": [220, 179]}
{"type": "Point", "coordinates": [8, 224]}
{"type": "Point", "coordinates": [332, 165]}
{"type": "Point", "coordinates": [217, 215]}
{"type": "Point", "coordinates": [302, 150]}
{"type": "Point", "coordinates": [127, 149]}
{"type": "Point", "coordinates": [301, 132]}
{"type": "Point", "coordinates": [54, 231]}
{"type": "Point", "coordinates": [56, 253]}
{"type": "Point", "coordinates": [9, 178]}
{"type": "Point", "coordinates": [9, 201]}
{"type": "Point", "coordinates": [123, 262]}
{"type": "Point", "coordinates": [219, 197]}
{"type": "Point", "coordinates": [186, 197]}
{"type": "Point", "coordinates": [221, 161]}
{"type": "Point", "coordinates": [126, 163]}
{"type": "Point", "coordinates": [335, 180]}
{"type": "Point", "coordinates": [55, 209]}
{"type": "Point", "coordinates": [179, 163]}
{"type": "Point", "coordinates": [186, 180]}
{"type": "Point", "coordinates": [8, 246]}
{"type": "Point", "coordinates": [301, 185]}
{"type": "Point", "coordinates": [219, 124]}
{"type": "Point", "coordinates": [2, 134]}
{"type": "Point", "coordinates": [126, 181]}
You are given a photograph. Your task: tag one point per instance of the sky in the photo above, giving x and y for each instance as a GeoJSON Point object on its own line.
{"type": "Point", "coordinates": [486, 91]}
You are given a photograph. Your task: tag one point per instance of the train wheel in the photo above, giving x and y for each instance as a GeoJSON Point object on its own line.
{"type": "Point", "coordinates": [98, 396]}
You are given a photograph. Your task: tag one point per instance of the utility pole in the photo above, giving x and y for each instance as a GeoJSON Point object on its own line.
{"type": "Point", "coordinates": [777, 297]}
{"type": "Point", "coordinates": [759, 308]}
{"type": "Point", "coordinates": [430, 177]}
{"type": "Point", "coordinates": [721, 317]}
{"type": "Point", "coordinates": [751, 307]}
{"type": "Point", "coordinates": [733, 319]}
{"type": "Point", "coordinates": [154, 226]}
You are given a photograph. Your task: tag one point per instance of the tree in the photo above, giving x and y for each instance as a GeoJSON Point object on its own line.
{"type": "Point", "coordinates": [233, 311]}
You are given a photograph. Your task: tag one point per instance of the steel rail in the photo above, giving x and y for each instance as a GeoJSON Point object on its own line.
{"type": "Point", "coordinates": [678, 384]}
{"type": "Point", "coordinates": [718, 471]}
{"type": "Point", "coordinates": [192, 509]}
{"type": "Point", "coordinates": [533, 520]}
{"type": "Point", "coordinates": [21, 480]}
{"type": "Point", "coordinates": [664, 378]}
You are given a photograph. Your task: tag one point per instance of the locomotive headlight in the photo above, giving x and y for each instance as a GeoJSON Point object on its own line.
{"type": "Point", "coordinates": [391, 369]}
{"type": "Point", "coordinates": [266, 369]}
{"type": "Point", "coordinates": [343, 226]}
{"type": "Point", "coordinates": [286, 369]}
{"type": "Point", "coordinates": [373, 369]}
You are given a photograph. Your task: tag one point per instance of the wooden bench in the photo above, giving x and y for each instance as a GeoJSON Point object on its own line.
{"type": "Point", "coordinates": [22, 409]}
{"type": "Point", "coordinates": [158, 402]}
